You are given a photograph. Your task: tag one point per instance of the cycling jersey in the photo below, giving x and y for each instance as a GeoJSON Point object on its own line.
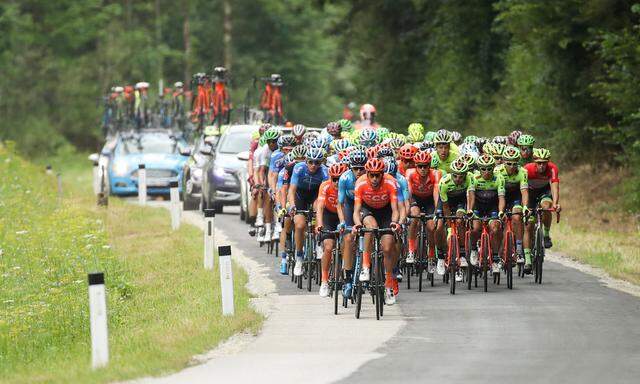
{"type": "Point", "coordinates": [333, 159]}
{"type": "Point", "coordinates": [539, 181]}
{"type": "Point", "coordinates": [448, 189]}
{"type": "Point", "coordinates": [487, 191]}
{"type": "Point", "coordinates": [402, 168]}
{"type": "Point", "coordinates": [277, 161]}
{"type": "Point", "coordinates": [346, 186]}
{"type": "Point", "coordinates": [252, 148]}
{"type": "Point", "coordinates": [515, 182]}
{"type": "Point", "coordinates": [328, 195]}
{"type": "Point", "coordinates": [403, 187]}
{"type": "Point", "coordinates": [262, 156]}
{"type": "Point", "coordinates": [379, 197]}
{"type": "Point", "coordinates": [306, 181]}
{"type": "Point", "coordinates": [281, 176]}
{"type": "Point", "coordinates": [444, 165]}
{"type": "Point", "coordinates": [422, 187]}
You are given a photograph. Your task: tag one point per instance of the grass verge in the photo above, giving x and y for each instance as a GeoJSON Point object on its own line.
{"type": "Point", "coordinates": [594, 228]}
{"type": "Point", "coordinates": [163, 307]}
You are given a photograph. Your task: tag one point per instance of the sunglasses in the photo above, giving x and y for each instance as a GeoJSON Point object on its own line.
{"type": "Point", "coordinates": [375, 174]}
{"type": "Point", "coordinates": [510, 164]}
{"type": "Point", "coordinates": [422, 166]}
{"type": "Point", "coordinates": [335, 179]}
{"type": "Point", "coordinates": [313, 162]}
{"type": "Point", "coordinates": [485, 169]}
{"type": "Point", "coordinates": [357, 169]}
{"type": "Point", "coordinates": [459, 175]}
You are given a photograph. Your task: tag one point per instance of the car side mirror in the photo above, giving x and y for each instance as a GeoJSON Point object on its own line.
{"type": "Point", "coordinates": [206, 150]}
{"type": "Point", "coordinates": [185, 151]}
{"type": "Point", "coordinates": [94, 158]}
{"type": "Point", "coordinates": [244, 156]}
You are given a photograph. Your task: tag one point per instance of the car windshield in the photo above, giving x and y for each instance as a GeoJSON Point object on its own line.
{"type": "Point", "coordinates": [149, 144]}
{"type": "Point", "coordinates": [235, 142]}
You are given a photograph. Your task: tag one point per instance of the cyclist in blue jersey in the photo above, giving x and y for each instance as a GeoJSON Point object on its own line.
{"type": "Point", "coordinates": [346, 186]}
{"type": "Point", "coordinates": [276, 163]}
{"type": "Point", "coordinates": [302, 194]}
{"type": "Point", "coordinates": [296, 155]}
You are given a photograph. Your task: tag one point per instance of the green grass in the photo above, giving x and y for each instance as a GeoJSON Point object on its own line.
{"type": "Point", "coordinates": [163, 306]}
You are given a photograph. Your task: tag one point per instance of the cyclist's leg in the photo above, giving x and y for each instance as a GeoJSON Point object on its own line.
{"type": "Point", "coordinates": [268, 214]}
{"type": "Point", "coordinates": [348, 246]}
{"type": "Point", "coordinates": [413, 230]}
{"type": "Point", "coordinates": [546, 203]}
{"type": "Point", "coordinates": [527, 238]}
{"type": "Point", "coordinates": [516, 223]}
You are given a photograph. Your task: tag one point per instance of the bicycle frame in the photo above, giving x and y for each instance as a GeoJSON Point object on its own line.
{"type": "Point", "coordinates": [452, 260]}
{"type": "Point", "coordinates": [422, 260]}
{"type": "Point", "coordinates": [538, 249]}
{"type": "Point", "coordinates": [376, 285]}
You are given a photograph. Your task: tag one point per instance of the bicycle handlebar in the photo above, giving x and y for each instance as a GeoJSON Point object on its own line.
{"type": "Point", "coordinates": [379, 231]}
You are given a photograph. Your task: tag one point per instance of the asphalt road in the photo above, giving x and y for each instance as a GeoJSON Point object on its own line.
{"type": "Point", "coordinates": [570, 329]}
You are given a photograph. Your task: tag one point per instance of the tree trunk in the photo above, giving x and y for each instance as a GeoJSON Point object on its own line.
{"type": "Point", "coordinates": [187, 43]}
{"type": "Point", "coordinates": [227, 25]}
{"type": "Point", "coordinates": [159, 51]}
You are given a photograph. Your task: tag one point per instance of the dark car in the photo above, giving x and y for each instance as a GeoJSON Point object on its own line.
{"type": "Point", "coordinates": [199, 154]}
{"type": "Point", "coordinates": [220, 185]}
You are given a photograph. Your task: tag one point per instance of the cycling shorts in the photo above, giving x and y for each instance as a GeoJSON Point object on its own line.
{"type": "Point", "coordinates": [347, 208]}
{"type": "Point", "coordinates": [382, 215]}
{"type": "Point", "coordinates": [513, 199]}
{"type": "Point", "coordinates": [537, 196]}
{"type": "Point", "coordinates": [304, 200]}
{"type": "Point", "coordinates": [426, 205]}
{"type": "Point", "coordinates": [456, 204]}
{"type": "Point", "coordinates": [486, 210]}
{"type": "Point", "coordinates": [330, 222]}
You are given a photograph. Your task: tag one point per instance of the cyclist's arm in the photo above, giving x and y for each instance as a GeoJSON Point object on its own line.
{"type": "Point", "coordinates": [340, 212]}
{"type": "Point", "coordinates": [471, 200]}
{"type": "Point", "coordinates": [502, 203]}
{"type": "Point", "coordinates": [273, 179]}
{"type": "Point", "coordinates": [319, 212]}
{"type": "Point", "coordinates": [356, 212]}
{"type": "Point", "coordinates": [525, 197]}
{"type": "Point", "coordinates": [555, 194]}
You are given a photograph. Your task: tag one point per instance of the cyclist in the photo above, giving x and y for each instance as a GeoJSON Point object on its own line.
{"type": "Point", "coordinates": [346, 126]}
{"type": "Point", "coordinates": [423, 185]}
{"type": "Point", "coordinates": [327, 219]}
{"type": "Point", "coordinates": [452, 191]}
{"type": "Point", "coordinates": [276, 164]}
{"type": "Point", "coordinates": [446, 155]}
{"type": "Point", "coordinates": [525, 143]}
{"type": "Point", "coordinates": [368, 137]}
{"type": "Point", "coordinates": [375, 206]}
{"type": "Point", "coordinates": [178, 103]}
{"type": "Point", "coordinates": [255, 204]}
{"type": "Point", "coordinates": [262, 159]}
{"type": "Point", "coordinates": [367, 117]}
{"type": "Point", "coordinates": [406, 154]}
{"type": "Point", "coordinates": [544, 190]}
{"type": "Point", "coordinates": [338, 147]}
{"type": "Point", "coordinates": [404, 196]}
{"type": "Point", "coordinates": [346, 187]}
{"type": "Point", "coordinates": [486, 199]}
{"type": "Point", "coordinates": [141, 104]}
{"type": "Point", "coordinates": [303, 191]}
{"type": "Point", "coordinates": [512, 139]}
{"type": "Point", "coordinates": [516, 186]}
{"type": "Point", "coordinates": [334, 129]}
{"type": "Point", "coordinates": [456, 137]}
{"type": "Point", "coordinates": [298, 132]}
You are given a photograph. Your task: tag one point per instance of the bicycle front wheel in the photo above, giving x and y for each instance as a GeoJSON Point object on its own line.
{"type": "Point", "coordinates": [539, 254]}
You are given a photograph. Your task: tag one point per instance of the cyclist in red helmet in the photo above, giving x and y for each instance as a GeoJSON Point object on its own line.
{"type": "Point", "coordinates": [376, 206]}
{"type": "Point", "coordinates": [327, 219]}
{"type": "Point", "coordinates": [423, 186]}
{"type": "Point", "coordinates": [405, 155]}
{"type": "Point", "coordinates": [367, 117]}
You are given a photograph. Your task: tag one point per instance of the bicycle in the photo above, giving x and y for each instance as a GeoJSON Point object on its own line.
{"type": "Point", "coordinates": [538, 250]}
{"type": "Point", "coordinates": [335, 279]}
{"type": "Point", "coordinates": [508, 252]}
{"type": "Point", "coordinates": [271, 100]}
{"type": "Point", "coordinates": [376, 282]}
{"type": "Point", "coordinates": [422, 260]}
{"type": "Point", "coordinates": [310, 265]}
{"type": "Point", "coordinates": [452, 259]}
{"type": "Point", "coordinates": [485, 258]}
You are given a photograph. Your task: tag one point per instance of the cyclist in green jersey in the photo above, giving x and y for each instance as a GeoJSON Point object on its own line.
{"type": "Point", "coordinates": [486, 199]}
{"type": "Point", "coordinates": [446, 154]}
{"type": "Point", "coordinates": [525, 143]}
{"type": "Point", "coordinates": [516, 183]}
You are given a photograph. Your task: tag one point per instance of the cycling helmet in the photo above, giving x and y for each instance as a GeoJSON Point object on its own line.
{"type": "Point", "coordinates": [488, 148]}
{"type": "Point", "coordinates": [422, 158]}
{"type": "Point", "coordinates": [178, 84]}
{"type": "Point", "coordinates": [541, 155]}
{"type": "Point", "coordinates": [396, 143]}
{"type": "Point", "coordinates": [271, 134]}
{"type": "Point", "coordinates": [416, 129]}
{"type": "Point", "coordinates": [298, 130]}
{"type": "Point", "coordinates": [456, 137]}
{"type": "Point", "coordinates": [315, 154]}
{"type": "Point", "coordinates": [385, 152]}
{"type": "Point", "coordinates": [442, 136]}
{"type": "Point", "coordinates": [118, 89]}
{"type": "Point", "coordinates": [470, 139]}
{"type": "Point", "coordinates": [469, 148]}
{"type": "Point", "coordinates": [511, 153]}
{"type": "Point", "coordinates": [368, 137]}
{"type": "Point", "coordinates": [286, 141]}
{"type": "Point", "coordinates": [357, 158]}
{"type": "Point", "coordinates": [345, 160]}
{"type": "Point", "coordinates": [407, 151]}
{"type": "Point", "coordinates": [414, 137]}
{"type": "Point", "coordinates": [319, 142]}
{"type": "Point", "coordinates": [333, 128]}
{"type": "Point", "coordinates": [469, 160]}
{"type": "Point", "coordinates": [367, 112]}
{"type": "Point", "coordinates": [290, 158]}
{"type": "Point", "coordinates": [309, 137]}
{"type": "Point", "coordinates": [500, 139]}
{"type": "Point", "coordinates": [264, 127]}
{"type": "Point", "coordinates": [391, 167]}
{"type": "Point", "coordinates": [345, 124]}
{"type": "Point", "coordinates": [337, 169]}
{"type": "Point", "coordinates": [383, 133]}
{"type": "Point", "coordinates": [425, 146]}
{"type": "Point", "coordinates": [513, 137]}
{"type": "Point", "coordinates": [299, 151]}
{"type": "Point", "coordinates": [288, 124]}
{"type": "Point", "coordinates": [526, 140]}
{"type": "Point", "coordinates": [486, 160]}
{"type": "Point", "coordinates": [374, 165]}
{"type": "Point", "coordinates": [340, 145]}
{"type": "Point", "coordinates": [429, 136]}
{"type": "Point", "coordinates": [372, 152]}
{"type": "Point", "coordinates": [498, 149]}
{"type": "Point", "coordinates": [459, 166]}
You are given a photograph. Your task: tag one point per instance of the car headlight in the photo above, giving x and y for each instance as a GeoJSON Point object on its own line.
{"type": "Point", "coordinates": [120, 168]}
{"type": "Point", "coordinates": [219, 172]}
{"type": "Point", "coordinates": [196, 173]}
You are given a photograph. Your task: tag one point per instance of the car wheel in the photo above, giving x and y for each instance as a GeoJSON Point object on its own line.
{"type": "Point", "coordinates": [189, 203]}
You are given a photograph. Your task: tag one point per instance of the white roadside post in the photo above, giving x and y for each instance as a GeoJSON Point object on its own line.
{"type": "Point", "coordinates": [209, 237]}
{"type": "Point", "coordinates": [98, 321]}
{"type": "Point", "coordinates": [103, 196]}
{"type": "Point", "coordinates": [49, 169]}
{"type": "Point", "coordinates": [175, 205]}
{"type": "Point", "coordinates": [96, 178]}
{"type": "Point", "coordinates": [142, 184]}
{"type": "Point", "coordinates": [226, 279]}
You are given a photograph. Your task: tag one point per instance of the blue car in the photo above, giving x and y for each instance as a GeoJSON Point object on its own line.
{"type": "Point", "coordinates": [159, 151]}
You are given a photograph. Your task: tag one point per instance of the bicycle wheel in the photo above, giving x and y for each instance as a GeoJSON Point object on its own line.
{"type": "Point", "coordinates": [484, 256]}
{"type": "Point", "coordinates": [421, 258]}
{"type": "Point", "coordinates": [358, 290]}
{"type": "Point", "coordinates": [508, 253]}
{"type": "Point", "coordinates": [539, 254]}
{"type": "Point", "coordinates": [381, 283]}
{"type": "Point", "coordinates": [470, 268]}
{"type": "Point", "coordinates": [374, 282]}
{"type": "Point", "coordinates": [336, 279]}
{"type": "Point", "coordinates": [453, 253]}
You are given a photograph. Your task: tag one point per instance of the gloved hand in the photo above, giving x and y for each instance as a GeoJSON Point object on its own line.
{"type": "Point", "coordinates": [526, 211]}
{"type": "Point", "coordinates": [318, 229]}
{"type": "Point", "coordinates": [501, 215]}
{"type": "Point", "coordinates": [356, 228]}
{"type": "Point", "coordinates": [341, 227]}
{"type": "Point", "coordinates": [395, 227]}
